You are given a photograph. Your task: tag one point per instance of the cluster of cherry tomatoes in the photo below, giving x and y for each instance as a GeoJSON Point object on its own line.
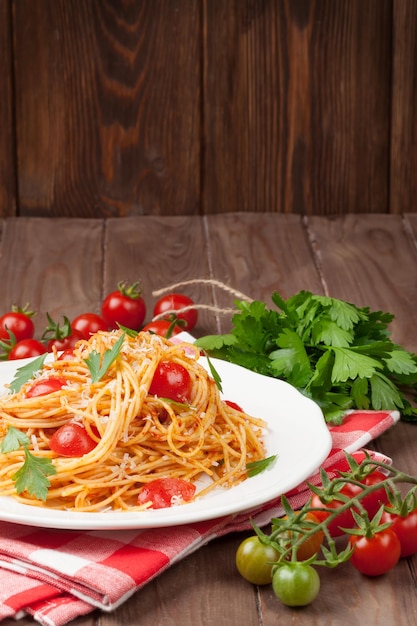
{"type": "Point", "coordinates": [124, 307]}
{"type": "Point", "coordinates": [379, 527]}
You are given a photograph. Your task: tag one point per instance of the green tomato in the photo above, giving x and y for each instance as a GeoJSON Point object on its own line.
{"type": "Point", "coordinates": [254, 560]}
{"type": "Point", "coordinates": [296, 584]}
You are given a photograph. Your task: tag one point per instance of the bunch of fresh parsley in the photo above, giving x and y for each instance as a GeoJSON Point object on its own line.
{"type": "Point", "coordinates": [334, 352]}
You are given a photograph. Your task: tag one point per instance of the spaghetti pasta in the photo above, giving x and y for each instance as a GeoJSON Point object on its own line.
{"type": "Point", "coordinates": [138, 436]}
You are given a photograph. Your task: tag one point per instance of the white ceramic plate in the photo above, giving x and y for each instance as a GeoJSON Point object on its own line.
{"type": "Point", "coordinates": [296, 433]}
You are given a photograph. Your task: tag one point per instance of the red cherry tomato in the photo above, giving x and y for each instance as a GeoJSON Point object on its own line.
{"type": "Point", "coordinates": [17, 322]}
{"type": "Point", "coordinates": [233, 405]}
{"type": "Point", "coordinates": [375, 555]}
{"type": "Point", "coordinates": [405, 527]}
{"type": "Point", "coordinates": [374, 500]}
{"type": "Point", "coordinates": [171, 380]}
{"type": "Point", "coordinates": [67, 355]}
{"type": "Point", "coordinates": [175, 302]}
{"type": "Point", "coordinates": [65, 343]}
{"type": "Point", "coordinates": [164, 328]}
{"type": "Point", "coordinates": [71, 440]}
{"type": "Point", "coordinates": [26, 348]}
{"type": "Point", "coordinates": [124, 307]}
{"type": "Point", "coordinates": [166, 492]}
{"type": "Point", "coordinates": [44, 386]}
{"type": "Point", "coordinates": [344, 520]}
{"type": "Point", "coordinates": [88, 324]}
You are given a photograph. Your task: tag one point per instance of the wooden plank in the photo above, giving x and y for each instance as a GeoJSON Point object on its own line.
{"type": "Point", "coordinates": [297, 106]}
{"type": "Point", "coordinates": [107, 107]}
{"type": "Point", "coordinates": [53, 281]}
{"type": "Point", "coordinates": [370, 261]}
{"type": "Point", "coordinates": [258, 253]}
{"type": "Point", "coordinates": [403, 186]}
{"type": "Point", "coordinates": [7, 148]}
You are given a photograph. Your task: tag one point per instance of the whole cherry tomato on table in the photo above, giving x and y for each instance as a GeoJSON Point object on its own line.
{"type": "Point", "coordinates": [61, 337]}
{"type": "Point", "coordinates": [18, 322]}
{"type": "Point", "coordinates": [88, 324]}
{"type": "Point", "coordinates": [172, 304]}
{"type": "Point", "coordinates": [26, 348]}
{"type": "Point", "coordinates": [124, 307]}
{"type": "Point", "coordinates": [164, 328]}
{"type": "Point", "coordinates": [71, 440]}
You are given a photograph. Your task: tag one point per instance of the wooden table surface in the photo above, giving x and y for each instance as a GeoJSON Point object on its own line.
{"type": "Point", "coordinates": [66, 266]}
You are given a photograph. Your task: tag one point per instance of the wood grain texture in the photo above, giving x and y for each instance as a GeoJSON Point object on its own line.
{"type": "Point", "coordinates": [107, 107]}
{"type": "Point", "coordinates": [403, 185]}
{"type": "Point", "coordinates": [296, 106]}
{"type": "Point", "coordinates": [7, 130]}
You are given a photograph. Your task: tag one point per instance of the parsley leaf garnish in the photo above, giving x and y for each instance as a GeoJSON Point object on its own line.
{"type": "Point", "coordinates": [334, 352]}
{"type": "Point", "coordinates": [257, 467]}
{"type": "Point", "coordinates": [97, 366]}
{"type": "Point", "coordinates": [13, 440]}
{"type": "Point", "coordinates": [32, 476]}
{"type": "Point", "coordinates": [26, 372]}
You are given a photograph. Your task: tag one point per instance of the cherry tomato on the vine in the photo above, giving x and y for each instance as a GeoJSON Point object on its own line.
{"type": "Point", "coordinates": [71, 440]}
{"type": "Point", "coordinates": [374, 500]}
{"type": "Point", "coordinates": [375, 555]}
{"type": "Point", "coordinates": [164, 328]}
{"type": "Point", "coordinates": [18, 322]}
{"type": "Point", "coordinates": [44, 386]}
{"type": "Point", "coordinates": [296, 584]}
{"type": "Point", "coordinates": [311, 545]}
{"type": "Point", "coordinates": [26, 348]}
{"type": "Point", "coordinates": [343, 520]}
{"type": "Point", "coordinates": [176, 302]}
{"type": "Point", "coordinates": [254, 560]}
{"type": "Point", "coordinates": [405, 527]}
{"type": "Point", "coordinates": [166, 492]}
{"type": "Point", "coordinates": [88, 324]}
{"type": "Point", "coordinates": [171, 380]}
{"type": "Point", "coordinates": [124, 307]}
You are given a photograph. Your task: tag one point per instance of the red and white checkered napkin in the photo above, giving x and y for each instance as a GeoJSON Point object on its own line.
{"type": "Point", "coordinates": [58, 575]}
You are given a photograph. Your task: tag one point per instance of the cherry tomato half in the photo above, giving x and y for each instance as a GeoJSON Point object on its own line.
{"type": "Point", "coordinates": [166, 492]}
{"type": "Point", "coordinates": [296, 584]}
{"type": "Point", "coordinates": [88, 324]}
{"type": "Point", "coordinates": [26, 348]}
{"type": "Point", "coordinates": [17, 322]}
{"type": "Point", "coordinates": [254, 560]}
{"type": "Point", "coordinates": [233, 405]}
{"type": "Point", "coordinates": [176, 302]}
{"type": "Point", "coordinates": [405, 527]}
{"type": "Point", "coordinates": [71, 440]}
{"type": "Point", "coordinates": [376, 555]}
{"type": "Point", "coordinates": [43, 386]}
{"type": "Point", "coordinates": [171, 380]}
{"type": "Point", "coordinates": [124, 307]}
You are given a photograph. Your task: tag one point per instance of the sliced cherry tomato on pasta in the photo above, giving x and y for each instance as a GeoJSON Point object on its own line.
{"type": "Point", "coordinates": [67, 355]}
{"type": "Point", "coordinates": [88, 324]}
{"type": "Point", "coordinates": [171, 380]}
{"type": "Point", "coordinates": [172, 304]}
{"type": "Point", "coordinates": [233, 405]}
{"type": "Point", "coordinates": [166, 492]}
{"type": "Point", "coordinates": [43, 386]}
{"type": "Point", "coordinates": [71, 440]}
{"type": "Point", "coordinates": [26, 348]}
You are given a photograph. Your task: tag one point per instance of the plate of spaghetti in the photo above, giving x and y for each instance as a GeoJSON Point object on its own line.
{"type": "Point", "coordinates": [235, 438]}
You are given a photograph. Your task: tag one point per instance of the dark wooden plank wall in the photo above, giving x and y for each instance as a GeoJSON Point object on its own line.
{"type": "Point", "coordinates": [114, 108]}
